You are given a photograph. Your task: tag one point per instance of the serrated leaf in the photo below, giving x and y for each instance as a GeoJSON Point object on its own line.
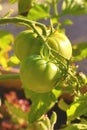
{"type": "Point", "coordinates": [74, 7]}
{"type": "Point", "coordinates": [77, 108]}
{"type": "Point", "coordinates": [79, 51]}
{"type": "Point", "coordinates": [41, 103]}
{"type": "Point", "coordinates": [38, 12]}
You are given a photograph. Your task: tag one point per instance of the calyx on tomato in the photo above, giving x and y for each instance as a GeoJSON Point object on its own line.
{"type": "Point", "coordinates": [61, 44]}
{"type": "Point", "coordinates": [39, 75]}
{"type": "Point", "coordinates": [27, 43]}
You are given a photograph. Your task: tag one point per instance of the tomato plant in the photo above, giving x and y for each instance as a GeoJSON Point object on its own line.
{"type": "Point", "coordinates": [38, 74]}
{"type": "Point", "coordinates": [46, 72]}
{"type": "Point", "coordinates": [27, 43]}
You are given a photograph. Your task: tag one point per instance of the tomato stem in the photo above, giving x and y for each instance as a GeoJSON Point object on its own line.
{"type": "Point", "coordinates": [76, 79]}
{"type": "Point", "coordinates": [25, 22]}
{"type": "Point", "coordinates": [54, 3]}
{"type": "Point", "coordinates": [37, 32]}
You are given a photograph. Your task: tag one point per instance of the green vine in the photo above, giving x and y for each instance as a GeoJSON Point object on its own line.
{"type": "Point", "coordinates": [27, 23]}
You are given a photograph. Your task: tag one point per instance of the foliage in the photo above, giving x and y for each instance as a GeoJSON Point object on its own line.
{"type": "Point", "coordinates": [31, 14]}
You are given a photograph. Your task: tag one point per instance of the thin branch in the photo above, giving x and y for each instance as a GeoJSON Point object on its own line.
{"type": "Point", "coordinates": [24, 22]}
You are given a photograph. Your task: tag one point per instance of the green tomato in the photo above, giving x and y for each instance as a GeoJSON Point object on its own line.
{"type": "Point", "coordinates": [26, 43]}
{"type": "Point", "coordinates": [61, 44]}
{"type": "Point", "coordinates": [38, 75]}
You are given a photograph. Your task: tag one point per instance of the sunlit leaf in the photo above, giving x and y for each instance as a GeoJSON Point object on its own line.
{"type": "Point", "coordinates": [6, 39]}
{"type": "Point", "coordinates": [74, 7]}
{"type": "Point", "coordinates": [13, 61]}
{"type": "Point", "coordinates": [77, 108]}
{"type": "Point", "coordinates": [54, 20]}
{"type": "Point", "coordinates": [41, 103]}
{"type": "Point", "coordinates": [3, 62]}
{"type": "Point", "coordinates": [79, 51]}
{"type": "Point", "coordinates": [67, 22]}
{"type": "Point", "coordinates": [38, 12]}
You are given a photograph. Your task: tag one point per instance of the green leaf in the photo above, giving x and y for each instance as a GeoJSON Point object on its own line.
{"type": "Point", "coordinates": [74, 7]}
{"type": "Point", "coordinates": [77, 108]}
{"type": "Point", "coordinates": [13, 61]}
{"type": "Point", "coordinates": [5, 38]}
{"type": "Point", "coordinates": [79, 51]}
{"type": "Point", "coordinates": [67, 22]}
{"type": "Point", "coordinates": [76, 127]}
{"type": "Point", "coordinates": [24, 6]}
{"type": "Point", "coordinates": [63, 105]}
{"type": "Point", "coordinates": [41, 103]}
{"type": "Point", "coordinates": [38, 12]}
{"type": "Point", "coordinates": [53, 118]}
{"type": "Point", "coordinates": [54, 20]}
{"type": "Point", "coordinates": [13, 1]}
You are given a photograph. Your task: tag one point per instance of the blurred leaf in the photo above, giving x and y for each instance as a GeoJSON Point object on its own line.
{"type": "Point", "coordinates": [79, 51]}
{"type": "Point", "coordinates": [63, 105]}
{"type": "Point", "coordinates": [77, 108]}
{"type": "Point", "coordinates": [24, 6]}
{"type": "Point", "coordinates": [41, 103]}
{"type": "Point", "coordinates": [76, 127]}
{"type": "Point", "coordinates": [67, 22]}
{"type": "Point", "coordinates": [3, 62]}
{"type": "Point", "coordinates": [16, 112]}
{"type": "Point", "coordinates": [74, 7]}
{"type": "Point", "coordinates": [13, 1]}
{"type": "Point", "coordinates": [38, 12]}
{"type": "Point", "coordinates": [6, 39]}
{"type": "Point", "coordinates": [55, 20]}
{"type": "Point", "coordinates": [0, 7]}
{"type": "Point", "coordinates": [13, 61]}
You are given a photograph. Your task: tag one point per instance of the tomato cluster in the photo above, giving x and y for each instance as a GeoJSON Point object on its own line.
{"type": "Point", "coordinates": [39, 73]}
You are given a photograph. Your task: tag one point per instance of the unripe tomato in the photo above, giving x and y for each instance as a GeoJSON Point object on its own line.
{"type": "Point", "coordinates": [61, 44]}
{"type": "Point", "coordinates": [26, 43]}
{"type": "Point", "coordinates": [38, 75]}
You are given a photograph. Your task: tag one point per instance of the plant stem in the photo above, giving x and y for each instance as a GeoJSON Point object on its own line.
{"type": "Point", "coordinates": [54, 4]}
{"type": "Point", "coordinates": [25, 22]}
